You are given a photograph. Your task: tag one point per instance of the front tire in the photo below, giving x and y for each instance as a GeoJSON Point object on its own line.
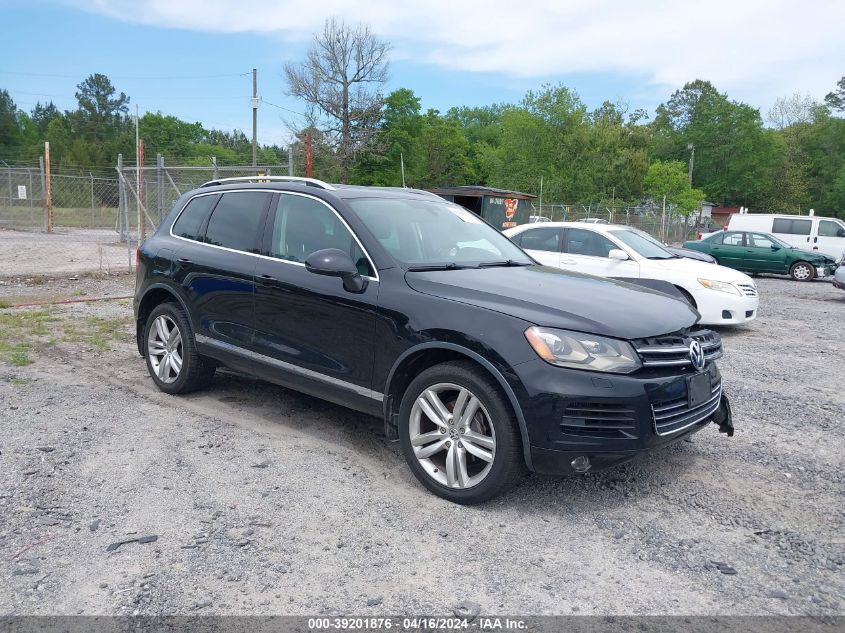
{"type": "Point", "coordinates": [171, 353]}
{"type": "Point", "coordinates": [802, 271]}
{"type": "Point", "coordinates": [459, 434]}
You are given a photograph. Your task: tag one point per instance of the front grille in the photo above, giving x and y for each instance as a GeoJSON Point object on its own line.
{"type": "Point", "coordinates": [672, 350]}
{"type": "Point", "coordinates": [599, 419]}
{"type": "Point", "coordinates": [749, 290]}
{"type": "Point", "coordinates": [672, 416]}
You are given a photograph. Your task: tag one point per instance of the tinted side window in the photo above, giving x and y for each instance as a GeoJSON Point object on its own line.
{"type": "Point", "coordinates": [792, 227]}
{"type": "Point", "coordinates": [190, 220]}
{"type": "Point", "coordinates": [235, 221]}
{"type": "Point", "coordinates": [541, 240]}
{"type": "Point", "coordinates": [830, 229]}
{"type": "Point", "coordinates": [585, 242]}
{"type": "Point", "coordinates": [732, 239]}
{"type": "Point", "coordinates": [303, 225]}
{"type": "Point", "coordinates": [717, 239]}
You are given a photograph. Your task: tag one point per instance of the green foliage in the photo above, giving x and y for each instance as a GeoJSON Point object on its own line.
{"type": "Point", "coordinates": [583, 156]}
{"type": "Point", "coordinates": [836, 99]}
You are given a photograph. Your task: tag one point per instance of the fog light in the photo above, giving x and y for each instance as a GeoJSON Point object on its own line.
{"type": "Point", "coordinates": [581, 464]}
{"type": "Point", "coordinates": [726, 314]}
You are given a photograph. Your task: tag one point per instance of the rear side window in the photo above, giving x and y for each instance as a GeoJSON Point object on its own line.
{"type": "Point", "coordinates": [717, 239]}
{"type": "Point", "coordinates": [303, 225]}
{"type": "Point", "coordinates": [190, 220]}
{"type": "Point", "coordinates": [235, 221]}
{"type": "Point", "coordinates": [792, 227]}
{"type": "Point", "coordinates": [541, 240]}
{"type": "Point", "coordinates": [732, 239]}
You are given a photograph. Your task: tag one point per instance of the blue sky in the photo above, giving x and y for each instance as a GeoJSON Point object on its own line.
{"type": "Point", "coordinates": [192, 58]}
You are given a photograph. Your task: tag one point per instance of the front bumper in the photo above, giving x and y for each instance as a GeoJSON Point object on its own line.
{"type": "Point", "coordinates": [723, 308]}
{"type": "Point", "coordinates": [609, 418]}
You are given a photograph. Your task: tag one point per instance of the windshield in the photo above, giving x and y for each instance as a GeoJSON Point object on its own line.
{"type": "Point", "coordinates": [644, 244]}
{"type": "Point", "coordinates": [432, 233]}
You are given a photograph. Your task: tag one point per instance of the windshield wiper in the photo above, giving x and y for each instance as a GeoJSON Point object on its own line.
{"type": "Point", "coordinates": [427, 267]}
{"type": "Point", "coordinates": [507, 262]}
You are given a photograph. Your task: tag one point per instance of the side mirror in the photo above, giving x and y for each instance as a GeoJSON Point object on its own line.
{"type": "Point", "coordinates": [333, 262]}
{"type": "Point", "coordinates": [840, 233]}
{"type": "Point", "coordinates": [617, 254]}
{"type": "Point", "coordinates": [775, 247]}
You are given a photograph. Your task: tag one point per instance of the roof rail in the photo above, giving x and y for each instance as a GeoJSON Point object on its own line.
{"type": "Point", "coordinates": [306, 181]}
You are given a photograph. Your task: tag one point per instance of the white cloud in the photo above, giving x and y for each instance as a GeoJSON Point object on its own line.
{"type": "Point", "coordinates": [753, 49]}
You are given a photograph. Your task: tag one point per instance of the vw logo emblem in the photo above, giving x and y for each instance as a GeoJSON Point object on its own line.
{"type": "Point", "coordinates": [696, 355]}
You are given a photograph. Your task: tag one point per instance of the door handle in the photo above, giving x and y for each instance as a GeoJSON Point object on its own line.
{"type": "Point", "coordinates": [815, 240]}
{"type": "Point", "coordinates": [568, 261]}
{"type": "Point", "coordinates": [267, 278]}
{"type": "Point", "coordinates": [184, 260]}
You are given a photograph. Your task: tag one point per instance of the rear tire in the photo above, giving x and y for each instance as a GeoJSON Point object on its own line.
{"type": "Point", "coordinates": [459, 433]}
{"type": "Point", "coordinates": [802, 271]}
{"type": "Point", "coordinates": [171, 352]}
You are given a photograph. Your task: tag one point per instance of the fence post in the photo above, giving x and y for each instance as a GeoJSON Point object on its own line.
{"type": "Point", "coordinates": [49, 192]}
{"type": "Point", "coordinates": [160, 186]}
{"type": "Point", "coordinates": [9, 168]}
{"type": "Point", "coordinates": [31, 194]}
{"type": "Point", "coordinates": [92, 199]}
{"type": "Point", "coordinates": [43, 186]}
{"type": "Point", "coordinates": [121, 197]}
{"type": "Point", "coordinates": [214, 167]}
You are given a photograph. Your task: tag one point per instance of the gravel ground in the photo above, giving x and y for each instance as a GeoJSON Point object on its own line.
{"type": "Point", "coordinates": [63, 252]}
{"type": "Point", "coordinates": [264, 501]}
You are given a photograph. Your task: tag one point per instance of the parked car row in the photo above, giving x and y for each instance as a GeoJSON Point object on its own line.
{"type": "Point", "coordinates": [721, 295]}
{"type": "Point", "coordinates": [394, 302]}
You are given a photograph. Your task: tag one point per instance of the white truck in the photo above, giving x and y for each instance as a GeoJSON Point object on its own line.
{"type": "Point", "coordinates": [808, 232]}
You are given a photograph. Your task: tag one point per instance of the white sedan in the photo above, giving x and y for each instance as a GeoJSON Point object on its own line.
{"type": "Point", "coordinates": [721, 295]}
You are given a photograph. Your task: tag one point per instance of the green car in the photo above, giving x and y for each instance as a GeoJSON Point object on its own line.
{"type": "Point", "coordinates": [763, 253]}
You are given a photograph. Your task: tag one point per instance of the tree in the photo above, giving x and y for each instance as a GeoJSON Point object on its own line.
{"type": "Point", "coordinates": [97, 100]}
{"type": "Point", "coordinates": [792, 110]}
{"type": "Point", "coordinates": [8, 121]}
{"type": "Point", "coordinates": [836, 100]}
{"type": "Point", "coordinates": [735, 158]}
{"type": "Point", "coordinates": [340, 80]}
{"type": "Point", "coordinates": [669, 180]}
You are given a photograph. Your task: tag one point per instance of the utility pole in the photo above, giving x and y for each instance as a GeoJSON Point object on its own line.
{"type": "Point", "coordinates": [691, 148]}
{"type": "Point", "coordinates": [401, 163]}
{"type": "Point", "coordinates": [541, 194]}
{"type": "Point", "coordinates": [308, 155]}
{"type": "Point", "coordinates": [290, 159]}
{"type": "Point", "coordinates": [254, 117]}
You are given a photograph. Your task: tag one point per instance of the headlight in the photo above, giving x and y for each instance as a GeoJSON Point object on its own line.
{"type": "Point", "coordinates": [582, 351]}
{"type": "Point", "coordinates": [721, 286]}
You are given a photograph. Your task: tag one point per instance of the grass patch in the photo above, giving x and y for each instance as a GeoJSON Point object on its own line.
{"type": "Point", "coordinates": [4, 304]}
{"type": "Point", "coordinates": [21, 330]}
{"type": "Point", "coordinates": [17, 329]}
{"type": "Point", "coordinates": [95, 331]}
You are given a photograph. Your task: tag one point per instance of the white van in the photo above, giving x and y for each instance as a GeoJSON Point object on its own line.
{"type": "Point", "coordinates": [808, 232]}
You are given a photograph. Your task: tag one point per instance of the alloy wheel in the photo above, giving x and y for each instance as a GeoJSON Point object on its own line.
{"type": "Point", "coordinates": [802, 272]}
{"type": "Point", "coordinates": [452, 435]}
{"type": "Point", "coordinates": [164, 348]}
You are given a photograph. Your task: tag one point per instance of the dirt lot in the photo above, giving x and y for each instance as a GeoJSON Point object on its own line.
{"type": "Point", "coordinates": [265, 501]}
{"type": "Point", "coordinates": [65, 251]}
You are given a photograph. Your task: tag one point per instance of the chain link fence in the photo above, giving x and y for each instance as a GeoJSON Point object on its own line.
{"type": "Point", "coordinates": [93, 219]}
{"type": "Point", "coordinates": [672, 228]}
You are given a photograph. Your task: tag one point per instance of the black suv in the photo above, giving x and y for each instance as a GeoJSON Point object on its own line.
{"type": "Point", "coordinates": [400, 304]}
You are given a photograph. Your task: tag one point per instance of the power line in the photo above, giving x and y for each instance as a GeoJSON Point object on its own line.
{"type": "Point", "coordinates": [263, 100]}
{"type": "Point", "coordinates": [152, 77]}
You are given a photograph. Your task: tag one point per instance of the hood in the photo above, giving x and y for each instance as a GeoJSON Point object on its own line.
{"type": "Point", "coordinates": [555, 298]}
{"type": "Point", "coordinates": [698, 269]}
